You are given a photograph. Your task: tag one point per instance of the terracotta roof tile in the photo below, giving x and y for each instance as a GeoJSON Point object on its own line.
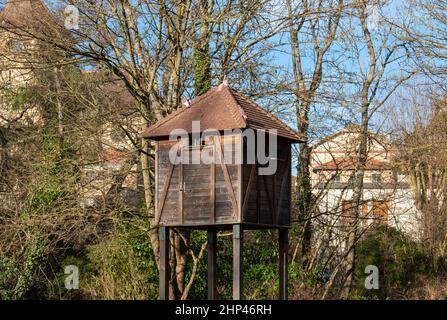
{"type": "Point", "coordinates": [221, 108]}
{"type": "Point", "coordinates": [24, 12]}
{"type": "Point", "coordinates": [114, 156]}
{"type": "Point", "coordinates": [259, 118]}
{"type": "Point", "coordinates": [23, 15]}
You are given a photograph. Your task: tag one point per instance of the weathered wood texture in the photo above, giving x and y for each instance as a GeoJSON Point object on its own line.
{"type": "Point", "coordinates": [238, 253]}
{"type": "Point", "coordinates": [163, 236]}
{"type": "Point", "coordinates": [202, 194]}
{"type": "Point", "coordinates": [267, 198]}
{"type": "Point", "coordinates": [283, 241]}
{"type": "Point", "coordinates": [197, 193]}
{"type": "Point", "coordinates": [212, 270]}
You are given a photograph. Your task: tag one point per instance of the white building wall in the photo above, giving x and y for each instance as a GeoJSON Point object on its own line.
{"type": "Point", "coordinates": [402, 213]}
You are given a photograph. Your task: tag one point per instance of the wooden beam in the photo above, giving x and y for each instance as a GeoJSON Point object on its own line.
{"type": "Point", "coordinates": [165, 274]}
{"type": "Point", "coordinates": [180, 194]}
{"type": "Point", "coordinates": [281, 190]}
{"type": "Point", "coordinates": [283, 240]}
{"type": "Point", "coordinates": [237, 261]}
{"type": "Point", "coordinates": [239, 192]}
{"type": "Point", "coordinates": [274, 197]}
{"type": "Point", "coordinates": [213, 187]}
{"type": "Point", "coordinates": [212, 273]}
{"type": "Point", "coordinates": [267, 194]}
{"type": "Point", "coordinates": [258, 200]}
{"type": "Point", "coordinates": [156, 182]}
{"type": "Point", "coordinates": [164, 194]}
{"type": "Point", "coordinates": [247, 190]}
{"type": "Point", "coordinates": [226, 177]}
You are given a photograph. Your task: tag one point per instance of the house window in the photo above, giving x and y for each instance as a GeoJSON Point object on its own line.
{"type": "Point", "coordinates": [197, 140]}
{"type": "Point", "coordinates": [365, 214]}
{"type": "Point", "coordinates": [376, 178]}
{"type": "Point", "coordinates": [358, 177]}
{"type": "Point", "coordinates": [380, 210]}
{"type": "Point", "coordinates": [354, 177]}
{"type": "Point", "coordinates": [193, 140]}
{"type": "Point", "coordinates": [337, 178]}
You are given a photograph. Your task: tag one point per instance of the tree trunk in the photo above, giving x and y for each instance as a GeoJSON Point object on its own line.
{"type": "Point", "coordinates": [304, 199]}
{"type": "Point", "coordinates": [3, 158]}
{"type": "Point", "coordinates": [202, 59]}
{"type": "Point", "coordinates": [357, 196]}
{"type": "Point", "coordinates": [60, 114]}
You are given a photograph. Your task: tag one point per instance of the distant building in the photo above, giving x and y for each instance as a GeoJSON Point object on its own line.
{"type": "Point", "coordinates": [386, 197]}
{"type": "Point", "coordinates": [22, 55]}
{"type": "Point", "coordinates": [23, 58]}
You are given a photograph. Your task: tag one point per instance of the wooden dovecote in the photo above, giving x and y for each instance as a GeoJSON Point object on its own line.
{"type": "Point", "coordinates": [223, 162]}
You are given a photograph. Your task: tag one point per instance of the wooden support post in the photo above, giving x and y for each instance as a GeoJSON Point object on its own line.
{"type": "Point", "coordinates": [212, 276]}
{"type": "Point", "coordinates": [181, 194]}
{"type": "Point", "coordinates": [283, 237]}
{"type": "Point", "coordinates": [213, 187]}
{"type": "Point", "coordinates": [163, 236]}
{"type": "Point", "coordinates": [237, 261]}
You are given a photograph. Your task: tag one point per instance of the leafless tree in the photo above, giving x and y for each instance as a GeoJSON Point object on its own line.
{"type": "Point", "coordinates": [312, 29]}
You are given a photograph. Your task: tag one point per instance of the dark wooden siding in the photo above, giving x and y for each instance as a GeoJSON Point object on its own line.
{"type": "Point", "coordinates": [269, 196]}
{"type": "Point", "coordinates": [170, 207]}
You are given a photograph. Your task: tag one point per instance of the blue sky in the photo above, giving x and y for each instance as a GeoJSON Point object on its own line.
{"type": "Point", "coordinates": [332, 115]}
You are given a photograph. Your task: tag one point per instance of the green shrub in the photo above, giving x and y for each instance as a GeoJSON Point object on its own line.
{"type": "Point", "coordinates": [17, 276]}
{"type": "Point", "coordinates": [9, 270]}
{"type": "Point", "coordinates": [398, 259]}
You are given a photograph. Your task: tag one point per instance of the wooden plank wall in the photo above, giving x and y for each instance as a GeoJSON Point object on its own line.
{"type": "Point", "coordinates": [268, 201]}
{"type": "Point", "coordinates": [269, 197]}
{"type": "Point", "coordinates": [169, 213]}
{"type": "Point", "coordinates": [188, 199]}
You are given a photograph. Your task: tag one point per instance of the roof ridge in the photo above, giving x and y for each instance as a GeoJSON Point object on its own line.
{"type": "Point", "coordinates": [180, 110]}
{"type": "Point", "coordinates": [351, 128]}
{"type": "Point", "coordinates": [269, 114]}
{"type": "Point", "coordinates": [203, 96]}
{"type": "Point", "coordinates": [352, 159]}
{"type": "Point", "coordinates": [239, 110]}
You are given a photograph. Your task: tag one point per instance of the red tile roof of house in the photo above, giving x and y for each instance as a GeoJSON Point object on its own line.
{"type": "Point", "coordinates": [25, 13]}
{"type": "Point", "coordinates": [350, 164]}
{"type": "Point", "coordinates": [221, 108]}
{"type": "Point", "coordinates": [114, 156]}
{"type": "Point", "coordinates": [31, 18]}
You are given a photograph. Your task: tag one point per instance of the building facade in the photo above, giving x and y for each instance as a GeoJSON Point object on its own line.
{"type": "Point", "coordinates": [23, 60]}
{"type": "Point", "coordinates": [386, 197]}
